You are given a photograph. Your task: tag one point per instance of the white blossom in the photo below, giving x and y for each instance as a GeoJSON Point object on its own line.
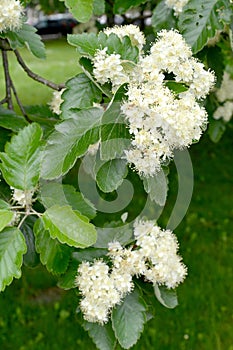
{"type": "Point", "coordinates": [109, 68]}
{"type": "Point", "coordinates": [56, 101]}
{"type": "Point", "coordinates": [22, 197]}
{"type": "Point", "coordinates": [225, 111]}
{"type": "Point", "coordinates": [176, 5]}
{"type": "Point", "coordinates": [136, 36]}
{"type": "Point", "coordinates": [225, 92]}
{"type": "Point", "coordinates": [10, 15]}
{"type": "Point", "coordinates": [154, 257]}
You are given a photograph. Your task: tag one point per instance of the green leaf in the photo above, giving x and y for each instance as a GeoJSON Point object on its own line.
{"type": "Point", "coordinates": [80, 9]}
{"type": "Point", "coordinates": [111, 174]}
{"type": "Point", "coordinates": [5, 218]}
{"type": "Point", "coordinates": [216, 130]}
{"type": "Point", "coordinates": [69, 227]}
{"type": "Point", "coordinates": [128, 319]}
{"type": "Point", "coordinates": [89, 254]}
{"type": "Point", "coordinates": [21, 161]}
{"type": "Point", "coordinates": [69, 141]}
{"type": "Point", "coordinates": [54, 255]}
{"type": "Point", "coordinates": [26, 36]}
{"type": "Point", "coordinates": [31, 258]}
{"type": "Point", "coordinates": [102, 336]}
{"type": "Point", "coordinates": [10, 120]}
{"type": "Point", "coordinates": [121, 6]}
{"type": "Point", "coordinates": [176, 87]}
{"type": "Point", "coordinates": [4, 205]}
{"type": "Point", "coordinates": [98, 7]}
{"type": "Point", "coordinates": [115, 136]}
{"type": "Point", "coordinates": [156, 187]}
{"type": "Point", "coordinates": [166, 297]}
{"type": "Point", "coordinates": [56, 193]}
{"type": "Point", "coordinates": [81, 93]}
{"type": "Point", "coordinates": [88, 43]}
{"type": "Point", "coordinates": [215, 60]}
{"type": "Point", "coordinates": [12, 248]}
{"type": "Point", "coordinates": [67, 280]}
{"type": "Point", "coordinates": [122, 234]}
{"type": "Point", "coordinates": [163, 17]}
{"type": "Point", "coordinates": [200, 20]}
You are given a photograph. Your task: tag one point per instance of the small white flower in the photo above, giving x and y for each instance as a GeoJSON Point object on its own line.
{"type": "Point", "coordinates": [23, 198]}
{"type": "Point", "coordinates": [10, 15]}
{"type": "Point", "coordinates": [136, 36]}
{"type": "Point", "coordinates": [56, 102]}
{"type": "Point", "coordinates": [176, 5]}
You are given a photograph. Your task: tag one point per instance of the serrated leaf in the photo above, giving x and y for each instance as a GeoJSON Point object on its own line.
{"type": "Point", "coordinates": [88, 43]}
{"type": "Point", "coordinates": [12, 248]}
{"type": "Point", "coordinates": [156, 187]}
{"type": "Point", "coordinates": [10, 120]}
{"type": "Point", "coordinates": [81, 93]}
{"type": "Point", "coordinates": [128, 319]}
{"type": "Point", "coordinates": [216, 130]}
{"type": "Point", "coordinates": [56, 193]}
{"type": "Point", "coordinates": [31, 258]}
{"type": "Point", "coordinates": [111, 174]}
{"type": "Point", "coordinates": [115, 136]}
{"type": "Point", "coordinates": [199, 21]}
{"type": "Point", "coordinates": [54, 255]}
{"type": "Point", "coordinates": [21, 160]}
{"type": "Point", "coordinates": [102, 336]}
{"type": "Point", "coordinates": [166, 297]}
{"type": "Point", "coordinates": [121, 6]}
{"type": "Point", "coordinates": [163, 17]}
{"type": "Point", "coordinates": [80, 9]}
{"type": "Point", "coordinates": [69, 141]}
{"type": "Point", "coordinates": [69, 227]}
{"type": "Point", "coordinates": [26, 36]}
{"type": "Point", "coordinates": [5, 218]}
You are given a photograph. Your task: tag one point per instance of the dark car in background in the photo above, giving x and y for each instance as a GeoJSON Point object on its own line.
{"type": "Point", "coordinates": [55, 25]}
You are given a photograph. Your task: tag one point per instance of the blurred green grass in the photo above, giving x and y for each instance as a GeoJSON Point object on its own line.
{"type": "Point", "coordinates": [34, 315]}
{"type": "Point", "coordinates": [61, 63]}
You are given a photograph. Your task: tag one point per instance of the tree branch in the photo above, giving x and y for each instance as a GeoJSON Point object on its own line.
{"type": "Point", "coordinates": [8, 98]}
{"type": "Point", "coordinates": [35, 76]}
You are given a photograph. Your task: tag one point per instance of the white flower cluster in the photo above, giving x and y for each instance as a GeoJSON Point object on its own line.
{"type": "Point", "coordinates": [176, 5]}
{"type": "Point", "coordinates": [56, 101]}
{"type": "Point", "coordinates": [160, 120]}
{"type": "Point", "coordinates": [133, 32]}
{"type": "Point", "coordinates": [22, 197]}
{"type": "Point", "coordinates": [155, 257]}
{"type": "Point", "coordinates": [10, 15]}
{"type": "Point", "coordinates": [109, 68]}
{"type": "Point", "coordinates": [225, 96]}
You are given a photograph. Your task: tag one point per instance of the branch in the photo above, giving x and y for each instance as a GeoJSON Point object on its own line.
{"type": "Point", "coordinates": [8, 97]}
{"type": "Point", "coordinates": [35, 76]}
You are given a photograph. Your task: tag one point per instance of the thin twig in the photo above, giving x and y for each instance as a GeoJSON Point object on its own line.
{"type": "Point", "coordinates": [19, 102]}
{"type": "Point", "coordinates": [7, 80]}
{"type": "Point", "coordinates": [3, 101]}
{"type": "Point", "coordinates": [35, 76]}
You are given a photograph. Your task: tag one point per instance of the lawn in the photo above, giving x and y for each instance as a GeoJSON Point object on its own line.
{"type": "Point", "coordinates": [35, 315]}
{"type": "Point", "coordinates": [61, 64]}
